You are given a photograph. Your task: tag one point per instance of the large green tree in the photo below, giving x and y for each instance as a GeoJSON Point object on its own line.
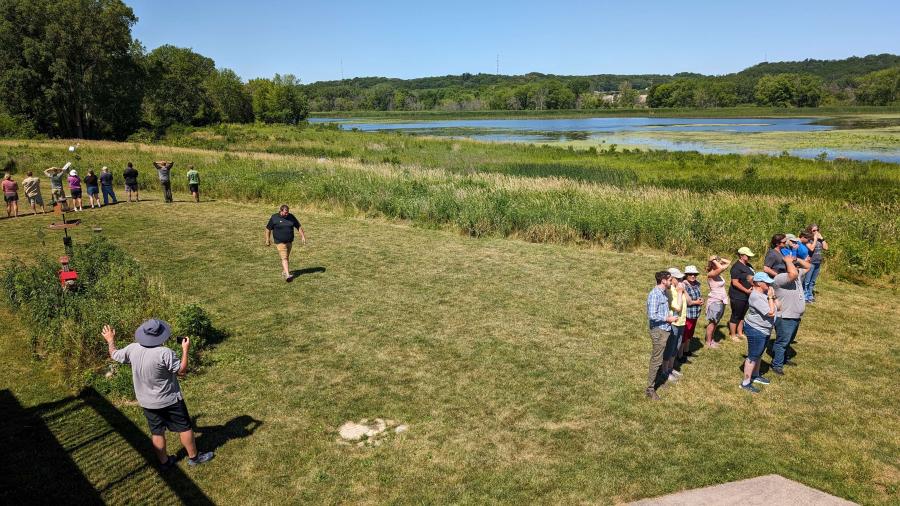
{"type": "Point", "coordinates": [230, 98]}
{"type": "Point", "coordinates": [176, 88]}
{"type": "Point", "coordinates": [879, 88]}
{"type": "Point", "coordinates": [278, 100]}
{"type": "Point", "coordinates": [71, 67]}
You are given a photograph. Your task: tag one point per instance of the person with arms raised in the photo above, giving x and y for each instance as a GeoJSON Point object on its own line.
{"type": "Point", "coordinates": [154, 372]}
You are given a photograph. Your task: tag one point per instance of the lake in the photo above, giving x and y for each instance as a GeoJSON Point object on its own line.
{"type": "Point", "coordinates": [623, 131]}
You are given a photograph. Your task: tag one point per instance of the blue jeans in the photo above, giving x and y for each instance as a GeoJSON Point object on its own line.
{"type": "Point", "coordinates": [673, 342]}
{"type": "Point", "coordinates": [809, 281]}
{"type": "Point", "coordinates": [785, 331]}
{"type": "Point", "coordinates": [107, 194]}
{"type": "Point", "coordinates": [756, 342]}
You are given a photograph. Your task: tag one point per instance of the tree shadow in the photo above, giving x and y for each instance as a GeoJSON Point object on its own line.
{"type": "Point", "coordinates": [49, 450]}
{"type": "Point", "coordinates": [307, 270]}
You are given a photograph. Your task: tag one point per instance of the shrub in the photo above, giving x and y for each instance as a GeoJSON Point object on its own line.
{"type": "Point", "coordinates": [112, 288]}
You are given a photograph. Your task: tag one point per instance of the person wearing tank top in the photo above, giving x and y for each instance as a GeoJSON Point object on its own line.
{"type": "Point", "coordinates": [717, 298]}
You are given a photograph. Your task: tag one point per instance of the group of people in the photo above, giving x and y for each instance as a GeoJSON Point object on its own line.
{"type": "Point", "coordinates": [96, 185]}
{"type": "Point", "coordinates": [772, 298]}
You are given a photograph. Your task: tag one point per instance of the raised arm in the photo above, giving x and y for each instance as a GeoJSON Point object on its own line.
{"type": "Point", "coordinates": [109, 334]}
{"type": "Point", "coordinates": [185, 344]}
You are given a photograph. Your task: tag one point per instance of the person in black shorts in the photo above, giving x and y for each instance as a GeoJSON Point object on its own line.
{"type": "Point", "coordinates": [739, 292]}
{"type": "Point", "coordinates": [154, 371]}
{"type": "Point", "coordinates": [130, 174]}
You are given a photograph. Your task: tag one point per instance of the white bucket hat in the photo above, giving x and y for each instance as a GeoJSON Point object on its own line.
{"type": "Point", "coordinates": [691, 269]}
{"type": "Point", "coordinates": [677, 274]}
{"type": "Point", "coordinates": [73, 172]}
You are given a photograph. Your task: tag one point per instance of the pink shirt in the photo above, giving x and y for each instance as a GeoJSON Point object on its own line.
{"type": "Point", "coordinates": [717, 290]}
{"type": "Point", "coordinates": [10, 186]}
{"type": "Point", "coordinates": [74, 183]}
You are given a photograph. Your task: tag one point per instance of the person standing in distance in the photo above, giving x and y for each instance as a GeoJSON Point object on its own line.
{"type": "Point", "coordinates": [130, 174]}
{"type": "Point", "coordinates": [154, 371]}
{"type": "Point", "coordinates": [281, 226]}
{"type": "Point", "coordinates": [162, 170]}
{"type": "Point", "coordinates": [32, 186]}
{"type": "Point", "coordinates": [106, 186]}
{"type": "Point", "coordinates": [739, 292]}
{"type": "Point", "coordinates": [10, 195]}
{"type": "Point", "coordinates": [660, 321]}
{"type": "Point", "coordinates": [193, 178]}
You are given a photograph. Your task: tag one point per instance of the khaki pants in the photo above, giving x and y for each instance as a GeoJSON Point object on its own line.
{"type": "Point", "coordinates": [658, 337]}
{"type": "Point", "coordinates": [284, 250]}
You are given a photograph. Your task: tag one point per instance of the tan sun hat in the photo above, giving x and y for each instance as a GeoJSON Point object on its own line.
{"type": "Point", "coordinates": [691, 269]}
{"type": "Point", "coordinates": [746, 251]}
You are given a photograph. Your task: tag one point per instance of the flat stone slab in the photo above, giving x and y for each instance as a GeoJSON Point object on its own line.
{"type": "Point", "coordinates": [769, 490]}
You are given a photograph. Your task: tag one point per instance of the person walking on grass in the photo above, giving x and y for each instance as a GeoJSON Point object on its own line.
{"type": "Point", "coordinates": [193, 178]}
{"type": "Point", "coordinates": [281, 226]}
{"type": "Point", "coordinates": [106, 186]}
{"type": "Point", "coordinates": [758, 325]}
{"type": "Point", "coordinates": [32, 187]}
{"type": "Point", "coordinates": [694, 304]}
{"type": "Point", "coordinates": [817, 247]}
{"type": "Point", "coordinates": [57, 193]}
{"type": "Point", "coordinates": [660, 329]}
{"type": "Point", "coordinates": [75, 189]}
{"type": "Point", "coordinates": [163, 168]}
{"type": "Point", "coordinates": [154, 372]}
{"type": "Point", "coordinates": [130, 175]}
{"type": "Point", "coordinates": [717, 298]}
{"type": "Point", "coordinates": [678, 308]}
{"type": "Point", "coordinates": [92, 182]}
{"type": "Point", "coordinates": [10, 195]}
{"type": "Point", "coordinates": [739, 292]}
{"type": "Point", "coordinates": [789, 295]}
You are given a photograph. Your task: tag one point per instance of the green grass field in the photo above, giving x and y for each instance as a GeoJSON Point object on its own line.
{"type": "Point", "coordinates": [519, 368]}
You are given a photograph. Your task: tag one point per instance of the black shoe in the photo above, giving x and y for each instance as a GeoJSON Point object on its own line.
{"type": "Point", "coordinates": [777, 371]}
{"type": "Point", "coordinates": [169, 464]}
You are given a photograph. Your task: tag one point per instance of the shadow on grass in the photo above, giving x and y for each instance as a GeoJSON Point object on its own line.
{"type": "Point", "coordinates": [51, 449]}
{"type": "Point", "coordinates": [308, 270]}
{"type": "Point", "coordinates": [211, 437]}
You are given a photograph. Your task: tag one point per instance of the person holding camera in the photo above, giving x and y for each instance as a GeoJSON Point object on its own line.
{"type": "Point", "coordinates": [717, 298]}
{"type": "Point", "coordinates": [817, 246]}
{"type": "Point", "coordinates": [739, 292]}
{"type": "Point", "coordinates": [154, 372]}
{"type": "Point", "coordinates": [163, 168]}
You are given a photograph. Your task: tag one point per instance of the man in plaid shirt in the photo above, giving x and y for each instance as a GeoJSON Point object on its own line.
{"type": "Point", "coordinates": [660, 328]}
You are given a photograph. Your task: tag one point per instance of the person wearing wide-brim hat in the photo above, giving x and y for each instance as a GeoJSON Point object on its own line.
{"type": "Point", "coordinates": [154, 371]}
{"type": "Point", "coordinates": [694, 304]}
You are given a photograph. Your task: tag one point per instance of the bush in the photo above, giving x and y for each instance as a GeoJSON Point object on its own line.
{"type": "Point", "coordinates": [112, 288]}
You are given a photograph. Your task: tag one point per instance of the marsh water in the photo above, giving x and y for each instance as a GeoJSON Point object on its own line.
{"type": "Point", "coordinates": [616, 130]}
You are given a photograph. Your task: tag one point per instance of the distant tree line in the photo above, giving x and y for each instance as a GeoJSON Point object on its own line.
{"type": "Point", "coordinates": [71, 68]}
{"type": "Point", "coordinates": [810, 83]}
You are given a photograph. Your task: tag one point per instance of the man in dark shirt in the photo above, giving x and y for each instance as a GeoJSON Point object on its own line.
{"type": "Point", "coordinates": [281, 225]}
{"type": "Point", "coordinates": [131, 182]}
{"type": "Point", "coordinates": [739, 292]}
{"type": "Point", "coordinates": [106, 186]}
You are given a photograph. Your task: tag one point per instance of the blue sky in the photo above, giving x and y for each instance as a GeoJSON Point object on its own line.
{"type": "Point", "coordinates": [409, 39]}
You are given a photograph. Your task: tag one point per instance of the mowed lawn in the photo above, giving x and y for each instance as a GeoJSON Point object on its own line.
{"type": "Point", "coordinates": [519, 368]}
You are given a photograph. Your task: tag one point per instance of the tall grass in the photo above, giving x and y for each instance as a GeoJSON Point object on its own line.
{"type": "Point", "coordinates": [684, 203]}
{"type": "Point", "coordinates": [112, 289]}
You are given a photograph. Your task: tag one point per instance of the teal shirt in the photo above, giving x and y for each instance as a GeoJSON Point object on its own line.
{"type": "Point", "coordinates": [193, 177]}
